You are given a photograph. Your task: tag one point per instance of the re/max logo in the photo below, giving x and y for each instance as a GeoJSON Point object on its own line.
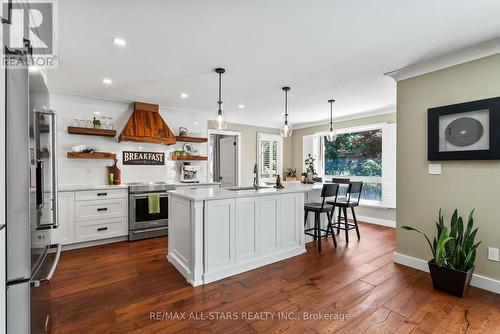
{"type": "Point", "coordinates": [33, 22]}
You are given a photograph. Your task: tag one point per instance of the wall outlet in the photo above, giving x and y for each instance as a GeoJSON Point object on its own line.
{"type": "Point", "coordinates": [493, 254]}
{"type": "Point", "coordinates": [434, 169]}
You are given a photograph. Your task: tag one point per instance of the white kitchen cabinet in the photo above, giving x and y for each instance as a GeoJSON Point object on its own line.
{"type": "Point", "coordinates": [269, 224]}
{"type": "Point", "coordinates": [65, 233]}
{"type": "Point", "coordinates": [100, 229]}
{"type": "Point", "coordinates": [220, 234]}
{"type": "Point", "coordinates": [90, 215]}
{"type": "Point", "coordinates": [247, 228]}
{"type": "Point", "coordinates": [89, 195]}
{"type": "Point", "coordinates": [100, 209]}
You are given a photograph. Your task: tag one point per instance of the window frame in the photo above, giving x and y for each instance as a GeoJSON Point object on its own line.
{"type": "Point", "coordinates": [365, 179]}
{"type": "Point", "coordinates": [279, 154]}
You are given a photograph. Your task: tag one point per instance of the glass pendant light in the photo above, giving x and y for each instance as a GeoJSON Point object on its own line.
{"type": "Point", "coordinates": [220, 122]}
{"type": "Point", "coordinates": [286, 130]}
{"type": "Point", "coordinates": [331, 134]}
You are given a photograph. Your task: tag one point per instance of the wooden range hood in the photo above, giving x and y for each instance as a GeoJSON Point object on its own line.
{"type": "Point", "coordinates": [146, 125]}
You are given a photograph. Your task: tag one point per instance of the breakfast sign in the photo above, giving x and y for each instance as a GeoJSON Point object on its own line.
{"type": "Point", "coordinates": [143, 158]}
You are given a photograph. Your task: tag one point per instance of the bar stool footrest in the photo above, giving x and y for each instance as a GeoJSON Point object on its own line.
{"type": "Point", "coordinates": [341, 226]}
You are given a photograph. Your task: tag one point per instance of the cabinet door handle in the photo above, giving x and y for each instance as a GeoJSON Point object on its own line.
{"type": "Point", "coordinates": [102, 209]}
{"type": "Point", "coordinates": [102, 194]}
{"type": "Point", "coordinates": [99, 229]}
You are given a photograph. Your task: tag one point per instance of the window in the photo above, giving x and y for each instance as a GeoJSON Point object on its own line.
{"type": "Point", "coordinates": [269, 148]}
{"type": "Point", "coordinates": [358, 156]}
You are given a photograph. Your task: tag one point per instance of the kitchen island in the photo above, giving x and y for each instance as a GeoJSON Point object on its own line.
{"type": "Point", "coordinates": [216, 233]}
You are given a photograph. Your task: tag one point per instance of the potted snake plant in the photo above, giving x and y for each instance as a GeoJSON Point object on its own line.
{"type": "Point", "coordinates": [454, 253]}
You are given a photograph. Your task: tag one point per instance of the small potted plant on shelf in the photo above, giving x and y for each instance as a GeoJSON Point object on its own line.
{"type": "Point", "coordinates": [453, 253]}
{"type": "Point", "coordinates": [291, 174]}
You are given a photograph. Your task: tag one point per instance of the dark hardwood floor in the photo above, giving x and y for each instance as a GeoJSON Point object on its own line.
{"type": "Point", "coordinates": [131, 288]}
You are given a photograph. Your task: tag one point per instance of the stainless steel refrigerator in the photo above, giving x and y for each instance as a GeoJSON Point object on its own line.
{"type": "Point", "coordinates": [31, 201]}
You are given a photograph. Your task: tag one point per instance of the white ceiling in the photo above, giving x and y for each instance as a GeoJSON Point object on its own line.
{"type": "Point", "coordinates": [322, 49]}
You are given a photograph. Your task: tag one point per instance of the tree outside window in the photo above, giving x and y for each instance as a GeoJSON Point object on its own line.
{"type": "Point", "coordinates": [357, 155]}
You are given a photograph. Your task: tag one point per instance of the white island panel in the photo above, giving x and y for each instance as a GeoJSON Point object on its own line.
{"type": "Point", "coordinates": [247, 228]}
{"type": "Point", "coordinates": [292, 230]}
{"type": "Point", "coordinates": [269, 224]}
{"type": "Point", "coordinates": [219, 234]}
{"type": "Point", "coordinates": [179, 241]}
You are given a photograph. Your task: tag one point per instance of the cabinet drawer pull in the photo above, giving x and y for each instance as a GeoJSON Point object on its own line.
{"type": "Point", "coordinates": [99, 229]}
{"type": "Point", "coordinates": [102, 209]}
{"type": "Point", "coordinates": [102, 194]}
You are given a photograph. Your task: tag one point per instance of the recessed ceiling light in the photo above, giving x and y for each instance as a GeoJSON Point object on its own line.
{"type": "Point", "coordinates": [107, 81]}
{"type": "Point", "coordinates": [195, 123]}
{"type": "Point", "coordinates": [97, 112]}
{"type": "Point", "coordinates": [184, 95]}
{"type": "Point", "coordinates": [119, 41]}
{"type": "Point", "coordinates": [241, 106]}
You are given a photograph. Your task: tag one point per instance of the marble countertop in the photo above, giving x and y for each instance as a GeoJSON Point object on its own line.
{"type": "Point", "coordinates": [192, 185]}
{"type": "Point", "coordinates": [81, 187]}
{"type": "Point", "coordinates": [204, 194]}
{"type": "Point", "coordinates": [91, 187]}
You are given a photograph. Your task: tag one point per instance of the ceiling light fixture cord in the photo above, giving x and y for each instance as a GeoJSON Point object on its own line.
{"type": "Point", "coordinates": [220, 93]}
{"type": "Point", "coordinates": [331, 114]}
{"type": "Point", "coordinates": [332, 134]}
{"type": "Point", "coordinates": [286, 106]}
{"type": "Point", "coordinates": [286, 130]}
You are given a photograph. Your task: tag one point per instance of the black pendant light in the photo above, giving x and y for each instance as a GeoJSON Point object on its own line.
{"type": "Point", "coordinates": [286, 130]}
{"type": "Point", "coordinates": [220, 122]}
{"type": "Point", "coordinates": [332, 134]}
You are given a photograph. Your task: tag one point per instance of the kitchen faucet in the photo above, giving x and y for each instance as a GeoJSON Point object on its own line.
{"type": "Point", "coordinates": [256, 177]}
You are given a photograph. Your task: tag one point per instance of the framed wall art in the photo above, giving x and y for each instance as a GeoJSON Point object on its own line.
{"type": "Point", "coordinates": [465, 131]}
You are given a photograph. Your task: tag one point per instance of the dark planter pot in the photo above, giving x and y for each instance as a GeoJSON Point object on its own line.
{"type": "Point", "coordinates": [449, 280]}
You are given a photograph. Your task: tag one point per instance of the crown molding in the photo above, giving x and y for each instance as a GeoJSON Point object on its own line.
{"type": "Point", "coordinates": [457, 57]}
{"type": "Point", "coordinates": [343, 118]}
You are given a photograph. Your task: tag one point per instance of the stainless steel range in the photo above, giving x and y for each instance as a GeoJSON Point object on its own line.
{"type": "Point", "coordinates": [145, 222]}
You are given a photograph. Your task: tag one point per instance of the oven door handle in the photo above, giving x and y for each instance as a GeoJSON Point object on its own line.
{"type": "Point", "coordinates": [136, 196]}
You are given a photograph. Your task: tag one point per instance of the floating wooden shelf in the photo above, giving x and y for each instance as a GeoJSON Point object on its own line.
{"type": "Point", "coordinates": [189, 157]}
{"type": "Point", "coordinates": [190, 139]}
{"type": "Point", "coordinates": [91, 131]}
{"type": "Point", "coordinates": [97, 155]}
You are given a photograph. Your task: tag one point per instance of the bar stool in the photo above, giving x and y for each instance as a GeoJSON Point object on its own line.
{"type": "Point", "coordinates": [353, 196]}
{"type": "Point", "coordinates": [328, 190]}
{"type": "Point", "coordinates": [343, 187]}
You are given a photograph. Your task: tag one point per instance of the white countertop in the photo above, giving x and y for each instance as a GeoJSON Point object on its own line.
{"type": "Point", "coordinates": [192, 185]}
{"type": "Point", "coordinates": [204, 194]}
{"type": "Point", "coordinates": [91, 187]}
{"type": "Point", "coordinates": [81, 187]}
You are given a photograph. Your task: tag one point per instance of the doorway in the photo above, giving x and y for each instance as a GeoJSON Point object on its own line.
{"type": "Point", "coordinates": [224, 158]}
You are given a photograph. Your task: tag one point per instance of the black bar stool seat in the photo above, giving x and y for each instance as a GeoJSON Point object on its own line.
{"type": "Point", "coordinates": [318, 207]}
{"type": "Point", "coordinates": [328, 190]}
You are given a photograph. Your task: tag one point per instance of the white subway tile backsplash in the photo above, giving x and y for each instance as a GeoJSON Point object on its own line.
{"type": "Point", "coordinates": [93, 172]}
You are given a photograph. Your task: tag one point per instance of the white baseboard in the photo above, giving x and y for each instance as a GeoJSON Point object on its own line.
{"type": "Point", "coordinates": [478, 281]}
{"type": "Point", "coordinates": [376, 221]}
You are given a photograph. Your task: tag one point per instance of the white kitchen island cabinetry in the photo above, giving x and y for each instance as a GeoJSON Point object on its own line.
{"type": "Point", "coordinates": [215, 234]}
